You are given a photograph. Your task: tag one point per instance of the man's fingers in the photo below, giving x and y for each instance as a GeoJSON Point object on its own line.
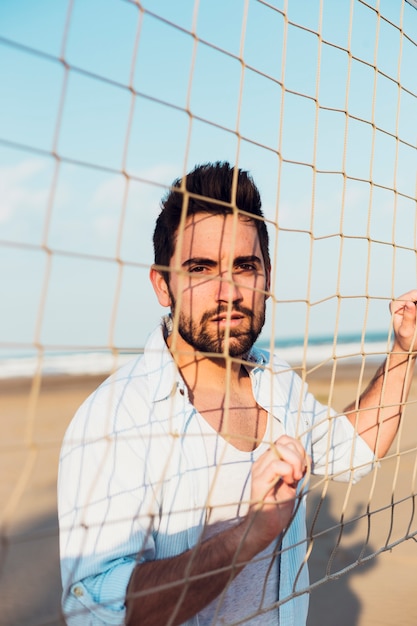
{"type": "Point", "coordinates": [286, 458]}
{"type": "Point", "coordinates": [406, 302]}
{"type": "Point", "coordinates": [294, 459]}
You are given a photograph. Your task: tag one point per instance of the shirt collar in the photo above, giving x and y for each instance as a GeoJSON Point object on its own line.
{"type": "Point", "coordinates": [163, 374]}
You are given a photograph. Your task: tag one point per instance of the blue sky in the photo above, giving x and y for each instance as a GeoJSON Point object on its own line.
{"type": "Point", "coordinates": [99, 117]}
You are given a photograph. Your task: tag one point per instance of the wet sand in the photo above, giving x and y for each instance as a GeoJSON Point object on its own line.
{"type": "Point", "coordinates": [378, 514]}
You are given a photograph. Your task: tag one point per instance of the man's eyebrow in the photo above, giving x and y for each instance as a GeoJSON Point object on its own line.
{"type": "Point", "coordinates": [207, 262]}
{"type": "Point", "coordinates": [250, 258]}
{"type": "Point", "coordinates": [199, 261]}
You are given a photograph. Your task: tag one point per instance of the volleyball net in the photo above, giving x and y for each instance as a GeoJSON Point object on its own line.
{"type": "Point", "coordinates": [103, 106]}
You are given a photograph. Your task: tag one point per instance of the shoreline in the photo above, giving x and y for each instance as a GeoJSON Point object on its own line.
{"type": "Point", "coordinates": [347, 367]}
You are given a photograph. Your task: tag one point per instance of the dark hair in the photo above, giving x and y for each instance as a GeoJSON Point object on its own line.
{"type": "Point", "coordinates": [215, 181]}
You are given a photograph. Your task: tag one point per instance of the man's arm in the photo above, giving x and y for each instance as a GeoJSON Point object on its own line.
{"type": "Point", "coordinates": [175, 589]}
{"type": "Point", "coordinates": [378, 413]}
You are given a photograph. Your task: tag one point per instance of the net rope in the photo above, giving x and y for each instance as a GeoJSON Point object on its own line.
{"type": "Point", "coordinates": [386, 518]}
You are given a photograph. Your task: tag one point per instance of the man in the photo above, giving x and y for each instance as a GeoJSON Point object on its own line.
{"type": "Point", "coordinates": [182, 478]}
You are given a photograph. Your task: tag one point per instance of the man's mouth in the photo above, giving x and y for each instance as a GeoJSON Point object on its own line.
{"type": "Point", "coordinates": [224, 318]}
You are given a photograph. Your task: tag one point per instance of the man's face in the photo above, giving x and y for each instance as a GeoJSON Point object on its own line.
{"type": "Point", "coordinates": [217, 285]}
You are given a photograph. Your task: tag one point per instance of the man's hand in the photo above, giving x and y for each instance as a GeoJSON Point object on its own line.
{"type": "Point", "coordinates": [275, 476]}
{"type": "Point", "coordinates": [194, 578]}
{"type": "Point", "coordinates": [403, 311]}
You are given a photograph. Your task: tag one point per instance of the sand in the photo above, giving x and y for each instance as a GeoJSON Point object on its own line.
{"type": "Point", "coordinates": [381, 591]}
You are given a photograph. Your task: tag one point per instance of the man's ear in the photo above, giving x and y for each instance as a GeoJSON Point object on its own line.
{"type": "Point", "coordinates": [268, 284]}
{"type": "Point", "coordinates": [160, 287]}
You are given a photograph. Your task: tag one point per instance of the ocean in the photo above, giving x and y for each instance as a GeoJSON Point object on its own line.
{"type": "Point", "coordinates": [295, 350]}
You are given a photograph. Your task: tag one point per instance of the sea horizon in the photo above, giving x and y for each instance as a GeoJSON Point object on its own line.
{"type": "Point", "coordinates": [296, 350]}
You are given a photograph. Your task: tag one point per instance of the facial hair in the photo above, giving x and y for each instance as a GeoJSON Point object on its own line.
{"type": "Point", "coordinates": [199, 337]}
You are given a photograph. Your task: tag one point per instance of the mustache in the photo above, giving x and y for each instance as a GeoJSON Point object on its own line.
{"type": "Point", "coordinates": [224, 309]}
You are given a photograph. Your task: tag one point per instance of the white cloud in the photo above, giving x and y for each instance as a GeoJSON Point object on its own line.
{"type": "Point", "coordinates": [110, 192]}
{"type": "Point", "coordinates": [142, 202]}
{"type": "Point", "coordinates": [20, 190]}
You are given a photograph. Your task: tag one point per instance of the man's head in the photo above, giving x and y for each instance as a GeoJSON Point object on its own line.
{"type": "Point", "coordinates": [212, 262]}
{"type": "Point", "coordinates": [219, 181]}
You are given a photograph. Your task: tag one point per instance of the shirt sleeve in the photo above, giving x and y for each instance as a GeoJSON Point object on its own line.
{"type": "Point", "coordinates": [105, 513]}
{"type": "Point", "coordinates": [336, 448]}
{"type": "Point", "coordinates": [99, 599]}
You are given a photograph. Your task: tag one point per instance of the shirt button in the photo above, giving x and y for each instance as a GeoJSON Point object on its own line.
{"type": "Point", "coordinates": [77, 591]}
{"type": "Point", "coordinates": [182, 391]}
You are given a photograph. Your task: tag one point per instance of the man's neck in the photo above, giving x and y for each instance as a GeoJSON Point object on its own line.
{"type": "Point", "coordinates": [201, 372]}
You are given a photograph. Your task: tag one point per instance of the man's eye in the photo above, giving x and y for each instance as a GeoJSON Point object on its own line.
{"type": "Point", "coordinates": [197, 269]}
{"type": "Point", "coordinates": [246, 267]}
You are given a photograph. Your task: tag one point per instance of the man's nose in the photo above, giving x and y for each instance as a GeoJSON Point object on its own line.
{"type": "Point", "coordinates": [227, 288]}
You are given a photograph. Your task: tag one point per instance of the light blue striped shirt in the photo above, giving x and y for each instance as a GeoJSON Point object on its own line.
{"type": "Point", "coordinates": [128, 491]}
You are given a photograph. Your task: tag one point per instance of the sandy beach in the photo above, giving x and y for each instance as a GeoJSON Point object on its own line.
{"type": "Point", "coordinates": [378, 514]}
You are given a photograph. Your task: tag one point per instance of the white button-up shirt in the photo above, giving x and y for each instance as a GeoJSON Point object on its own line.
{"type": "Point", "coordinates": [129, 491]}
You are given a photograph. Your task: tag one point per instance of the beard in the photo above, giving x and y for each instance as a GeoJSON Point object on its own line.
{"type": "Point", "coordinates": [202, 338]}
